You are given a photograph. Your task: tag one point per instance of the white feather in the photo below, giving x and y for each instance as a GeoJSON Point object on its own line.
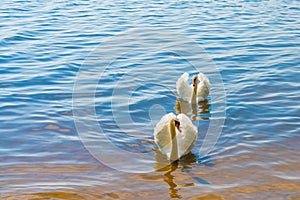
{"type": "Point", "coordinates": [203, 87]}
{"type": "Point", "coordinates": [162, 136]}
{"type": "Point", "coordinates": [184, 90]}
{"type": "Point", "coordinates": [188, 135]}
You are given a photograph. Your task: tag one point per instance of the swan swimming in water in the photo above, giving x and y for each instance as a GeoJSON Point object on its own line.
{"type": "Point", "coordinates": [193, 93]}
{"type": "Point", "coordinates": [175, 135]}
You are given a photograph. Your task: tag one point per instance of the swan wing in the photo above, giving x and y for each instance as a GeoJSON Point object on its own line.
{"type": "Point", "coordinates": [162, 136]}
{"type": "Point", "coordinates": [203, 88]}
{"type": "Point", "coordinates": [184, 90]}
{"type": "Point", "coordinates": [188, 136]}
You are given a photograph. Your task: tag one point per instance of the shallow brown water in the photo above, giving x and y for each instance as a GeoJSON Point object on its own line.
{"type": "Point", "coordinates": [231, 177]}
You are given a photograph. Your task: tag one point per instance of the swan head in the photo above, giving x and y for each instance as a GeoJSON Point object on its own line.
{"type": "Point", "coordinates": [195, 80]}
{"type": "Point", "coordinates": [177, 124]}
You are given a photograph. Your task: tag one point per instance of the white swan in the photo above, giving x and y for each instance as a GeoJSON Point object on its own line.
{"type": "Point", "coordinates": [193, 93]}
{"type": "Point", "coordinates": [175, 135]}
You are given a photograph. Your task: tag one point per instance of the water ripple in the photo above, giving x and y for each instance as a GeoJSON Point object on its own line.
{"type": "Point", "coordinates": [254, 44]}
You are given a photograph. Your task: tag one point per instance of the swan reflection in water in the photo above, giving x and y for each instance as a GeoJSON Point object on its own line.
{"type": "Point", "coordinates": [162, 164]}
{"type": "Point", "coordinates": [193, 110]}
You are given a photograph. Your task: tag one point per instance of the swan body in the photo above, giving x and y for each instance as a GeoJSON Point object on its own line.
{"type": "Point", "coordinates": [175, 135]}
{"type": "Point", "coordinates": [194, 92]}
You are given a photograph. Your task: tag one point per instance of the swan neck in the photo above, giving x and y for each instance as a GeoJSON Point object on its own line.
{"type": "Point", "coordinates": [174, 145]}
{"type": "Point", "coordinates": [194, 95]}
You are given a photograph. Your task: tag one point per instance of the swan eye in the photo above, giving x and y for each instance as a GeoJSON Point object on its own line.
{"type": "Point", "coordinates": [177, 123]}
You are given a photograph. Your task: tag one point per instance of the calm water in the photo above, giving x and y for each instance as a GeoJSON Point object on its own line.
{"type": "Point", "coordinates": [125, 58]}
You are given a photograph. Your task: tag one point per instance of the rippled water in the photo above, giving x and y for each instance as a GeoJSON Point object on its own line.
{"type": "Point", "coordinates": [125, 58]}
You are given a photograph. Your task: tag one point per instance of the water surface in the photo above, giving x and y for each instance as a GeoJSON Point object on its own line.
{"type": "Point", "coordinates": [44, 44]}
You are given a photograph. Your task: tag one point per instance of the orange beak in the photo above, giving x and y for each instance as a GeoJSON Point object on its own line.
{"type": "Point", "coordinates": [178, 127]}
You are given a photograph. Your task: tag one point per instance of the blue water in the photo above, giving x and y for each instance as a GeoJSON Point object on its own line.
{"type": "Point", "coordinates": [125, 58]}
